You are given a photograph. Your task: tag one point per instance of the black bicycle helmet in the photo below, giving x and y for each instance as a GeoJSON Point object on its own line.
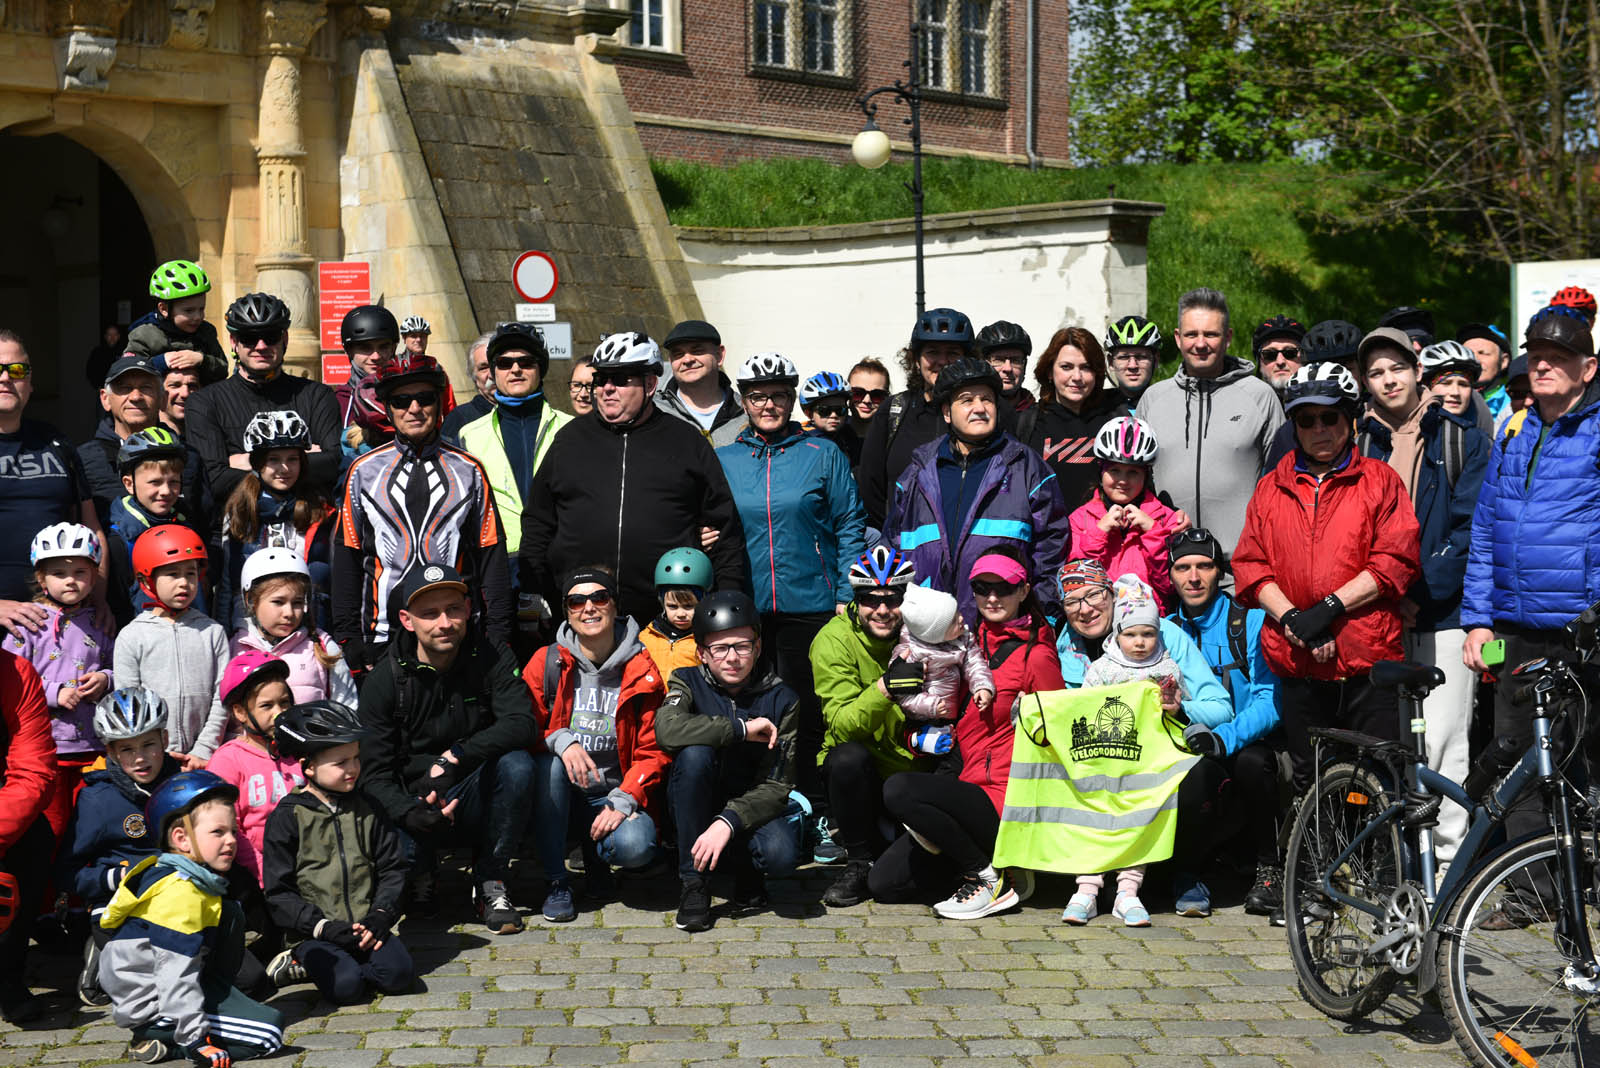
{"type": "Point", "coordinates": [521, 337]}
{"type": "Point", "coordinates": [369, 322]}
{"type": "Point", "coordinates": [967, 371]}
{"type": "Point", "coordinates": [1279, 326]}
{"type": "Point", "coordinates": [316, 726]}
{"type": "Point", "coordinates": [1331, 339]}
{"type": "Point", "coordinates": [942, 324]}
{"type": "Point", "coordinates": [1004, 335]}
{"type": "Point", "coordinates": [257, 311]}
{"type": "Point", "coordinates": [724, 610]}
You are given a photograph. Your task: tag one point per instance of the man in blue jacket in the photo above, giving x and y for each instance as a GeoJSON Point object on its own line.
{"type": "Point", "coordinates": [1534, 562]}
{"type": "Point", "coordinates": [1229, 637]}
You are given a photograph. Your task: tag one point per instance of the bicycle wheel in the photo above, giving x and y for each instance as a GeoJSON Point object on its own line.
{"type": "Point", "coordinates": [1501, 984]}
{"type": "Point", "coordinates": [1328, 940]}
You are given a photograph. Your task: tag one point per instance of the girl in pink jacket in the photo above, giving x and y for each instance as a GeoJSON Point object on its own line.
{"type": "Point", "coordinates": [277, 594]}
{"type": "Point", "coordinates": [1124, 527]}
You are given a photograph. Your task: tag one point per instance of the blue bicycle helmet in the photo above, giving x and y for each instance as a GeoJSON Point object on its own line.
{"type": "Point", "coordinates": [822, 386]}
{"type": "Point", "coordinates": [178, 796]}
{"type": "Point", "coordinates": [882, 566]}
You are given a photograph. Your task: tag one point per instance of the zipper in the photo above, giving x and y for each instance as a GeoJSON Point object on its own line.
{"type": "Point", "coordinates": [622, 495]}
{"type": "Point", "coordinates": [1199, 450]}
{"type": "Point", "coordinates": [344, 864]}
{"type": "Point", "coordinates": [827, 580]}
{"type": "Point", "coordinates": [772, 549]}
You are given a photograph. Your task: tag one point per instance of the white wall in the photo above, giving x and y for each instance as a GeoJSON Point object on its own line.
{"type": "Point", "coordinates": [1533, 284]}
{"type": "Point", "coordinates": [826, 296]}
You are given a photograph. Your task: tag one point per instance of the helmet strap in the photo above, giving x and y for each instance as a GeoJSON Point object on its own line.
{"type": "Point", "coordinates": [254, 729]}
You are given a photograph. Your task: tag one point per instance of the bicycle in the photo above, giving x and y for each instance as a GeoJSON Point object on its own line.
{"type": "Point", "coordinates": [1507, 932]}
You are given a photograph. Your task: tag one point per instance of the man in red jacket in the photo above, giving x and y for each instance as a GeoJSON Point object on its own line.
{"type": "Point", "coordinates": [1329, 548]}
{"type": "Point", "coordinates": [27, 780]}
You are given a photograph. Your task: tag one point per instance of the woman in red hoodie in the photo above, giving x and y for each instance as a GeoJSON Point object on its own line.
{"type": "Point", "coordinates": [953, 819]}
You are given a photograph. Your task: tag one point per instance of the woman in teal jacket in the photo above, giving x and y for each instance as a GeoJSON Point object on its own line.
{"type": "Point", "coordinates": [803, 525]}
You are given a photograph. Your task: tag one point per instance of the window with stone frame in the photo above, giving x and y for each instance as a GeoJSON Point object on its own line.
{"type": "Point", "coordinates": [653, 25]}
{"type": "Point", "coordinates": [802, 36]}
{"type": "Point", "coordinates": [959, 46]}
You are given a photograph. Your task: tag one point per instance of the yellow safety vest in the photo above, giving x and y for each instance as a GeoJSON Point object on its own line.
{"type": "Point", "coordinates": [482, 439]}
{"type": "Point", "coordinates": [1094, 781]}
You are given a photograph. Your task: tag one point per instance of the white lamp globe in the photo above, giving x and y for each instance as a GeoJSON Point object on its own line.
{"type": "Point", "coordinates": [871, 147]}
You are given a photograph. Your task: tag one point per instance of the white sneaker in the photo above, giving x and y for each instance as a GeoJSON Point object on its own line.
{"type": "Point", "coordinates": [1081, 908]}
{"type": "Point", "coordinates": [977, 898]}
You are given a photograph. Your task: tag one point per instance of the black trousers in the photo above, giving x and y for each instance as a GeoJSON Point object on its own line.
{"type": "Point", "coordinates": [1353, 704]}
{"type": "Point", "coordinates": [956, 816]}
{"type": "Point", "coordinates": [28, 860]}
{"type": "Point", "coordinates": [346, 977]}
{"type": "Point", "coordinates": [787, 638]}
{"type": "Point", "coordinates": [855, 799]}
{"type": "Point", "coordinates": [1255, 785]}
{"type": "Point", "coordinates": [1208, 815]}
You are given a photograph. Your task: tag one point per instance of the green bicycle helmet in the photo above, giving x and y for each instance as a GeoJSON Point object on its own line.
{"type": "Point", "coordinates": [177, 279]}
{"type": "Point", "coordinates": [1132, 331]}
{"type": "Point", "coordinates": [684, 567]}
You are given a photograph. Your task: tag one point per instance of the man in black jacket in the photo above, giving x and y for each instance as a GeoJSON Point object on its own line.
{"type": "Point", "coordinates": [258, 325]}
{"type": "Point", "coordinates": [131, 398]}
{"type": "Point", "coordinates": [625, 483]}
{"type": "Point", "coordinates": [450, 720]}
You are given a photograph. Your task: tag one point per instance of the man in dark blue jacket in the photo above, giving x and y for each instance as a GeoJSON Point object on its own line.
{"type": "Point", "coordinates": [1441, 458]}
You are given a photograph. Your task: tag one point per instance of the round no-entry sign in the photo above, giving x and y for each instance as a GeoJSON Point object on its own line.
{"type": "Point", "coordinates": [534, 275]}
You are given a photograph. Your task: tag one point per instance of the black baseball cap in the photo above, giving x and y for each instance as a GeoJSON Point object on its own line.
{"type": "Point", "coordinates": [693, 330]}
{"type": "Point", "coordinates": [128, 363]}
{"type": "Point", "coordinates": [1569, 331]}
{"type": "Point", "coordinates": [1482, 332]}
{"type": "Point", "coordinates": [425, 577]}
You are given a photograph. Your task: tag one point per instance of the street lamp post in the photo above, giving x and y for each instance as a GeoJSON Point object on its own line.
{"type": "Point", "coordinates": [871, 146]}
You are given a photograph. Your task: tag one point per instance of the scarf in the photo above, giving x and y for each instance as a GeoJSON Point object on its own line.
{"type": "Point", "coordinates": [1406, 445]}
{"type": "Point", "coordinates": [211, 882]}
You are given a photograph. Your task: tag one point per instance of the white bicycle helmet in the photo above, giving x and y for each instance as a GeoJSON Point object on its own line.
{"type": "Point", "coordinates": [1322, 384]}
{"type": "Point", "coordinates": [128, 713]}
{"type": "Point", "coordinates": [1126, 439]}
{"type": "Point", "coordinates": [266, 563]}
{"type": "Point", "coordinates": [61, 541]}
{"type": "Point", "coordinates": [769, 368]}
{"type": "Point", "coordinates": [276, 430]}
{"type": "Point", "coordinates": [1449, 356]}
{"type": "Point", "coordinates": [882, 566]}
{"type": "Point", "coordinates": [415, 324]}
{"type": "Point", "coordinates": [631, 352]}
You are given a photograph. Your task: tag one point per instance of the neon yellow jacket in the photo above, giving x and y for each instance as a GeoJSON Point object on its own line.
{"type": "Point", "coordinates": [482, 438]}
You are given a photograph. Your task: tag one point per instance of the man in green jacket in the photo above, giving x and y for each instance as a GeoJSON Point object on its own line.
{"type": "Point", "coordinates": [862, 743]}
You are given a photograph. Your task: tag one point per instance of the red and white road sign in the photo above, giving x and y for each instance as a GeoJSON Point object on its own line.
{"type": "Point", "coordinates": [535, 276]}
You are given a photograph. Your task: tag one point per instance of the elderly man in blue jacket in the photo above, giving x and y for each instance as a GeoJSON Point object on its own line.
{"type": "Point", "coordinates": [1534, 563]}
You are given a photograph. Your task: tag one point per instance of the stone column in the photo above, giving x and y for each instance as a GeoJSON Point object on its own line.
{"type": "Point", "coordinates": [284, 265]}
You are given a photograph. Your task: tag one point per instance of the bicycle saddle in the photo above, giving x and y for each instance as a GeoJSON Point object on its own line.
{"type": "Point", "coordinates": [1394, 674]}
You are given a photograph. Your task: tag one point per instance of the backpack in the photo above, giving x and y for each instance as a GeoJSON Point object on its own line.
{"type": "Point", "coordinates": [1238, 648]}
{"type": "Point", "coordinates": [1026, 421]}
{"type": "Point", "coordinates": [552, 676]}
{"type": "Point", "coordinates": [897, 411]}
{"type": "Point", "coordinates": [1454, 443]}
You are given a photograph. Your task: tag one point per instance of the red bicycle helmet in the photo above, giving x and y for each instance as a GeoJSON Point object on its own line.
{"type": "Point", "coordinates": [159, 546]}
{"type": "Point", "coordinates": [1577, 298]}
{"type": "Point", "coordinates": [406, 367]}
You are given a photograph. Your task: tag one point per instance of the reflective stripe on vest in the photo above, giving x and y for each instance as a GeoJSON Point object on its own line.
{"type": "Point", "coordinates": [482, 439]}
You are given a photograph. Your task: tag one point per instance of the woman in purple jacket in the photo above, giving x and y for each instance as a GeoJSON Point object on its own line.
{"type": "Point", "coordinates": [976, 489]}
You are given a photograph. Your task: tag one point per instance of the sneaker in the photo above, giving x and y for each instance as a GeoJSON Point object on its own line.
{"type": "Point", "coordinates": [1266, 893]}
{"type": "Point", "coordinates": [850, 888]}
{"type": "Point", "coordinates": [495, 908]}
{"type": "Point", "coordinates": [19, 1006]}
{"type": "Point", "coordinates": [1131, 911]}
{"type": "Point", "coordinates": [599, 882]}
{"type": "Point", "coordinates": [826, 851]}
{"type": "Point", "coordinates": [1081, 908]}
{"type": "Point", "coordinates": [1022, 882]}
{"type": "Point", "coordinates": [148, 1050]}
{"type": "Point", "coordinates": [558, 906]}
{"type": "Point", "coordinates": [978, 897]}
{"type": "Point", "coordinates": [1193, 898]}
{"type": "Point", "coordinates": [89, 991]}
{"type": "Point", "coordinates": [424, 891]}
{"type": "Point", "coordinates": [923, 843]}
{"type": "Point", "coordinates": [1278, 917]}
{"type": "Point", "coordinates": [694, 905]}
{"type": "Point", "coordinates": [286, 971]}
{"type": "Point", "coordinates": [749, 890]}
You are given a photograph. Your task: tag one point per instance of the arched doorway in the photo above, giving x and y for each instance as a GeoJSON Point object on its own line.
{"type": "Point", "coordinates": [78, 256]}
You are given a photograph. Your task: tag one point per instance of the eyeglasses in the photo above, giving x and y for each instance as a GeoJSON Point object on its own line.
{"type": "Point", "coordinates": [761, 400]}
{"type": "Point", "coordinates": [881, 599]}
{"type": "Point", "coordinates": [17, 370]}
{"type": "Point", "coordinates": [1287, 352]}
{"type": "Point", "coordinates": [1094, 598]}
{"type": "Point", "coordinates": [620, 379]}
{"type": "Point", "coordinates": [251, 338]}
{"type": "Point", "coordinates": [828, 410]}
{"type": "Point", "coordinates": [402, 401]}
{"type": "Point", "coordinates": [994, 588]}
{"type": "Point", "coordinates": [506, 363]}
{"type": "Point", "coordinates": [598, 598]}
{"type": "Point", "coordinates": [1132, 357]}
{"type": "Point", "coordinates": [877, 396]}
{"type": "Point", "coordinates": [723, 650]}
{"type": "Point", "coordinates": [1008, 357]}
{"type": "Point", "coordinates": [581, 389]}
{"type": "Point", "coordinates": [1308, 420]}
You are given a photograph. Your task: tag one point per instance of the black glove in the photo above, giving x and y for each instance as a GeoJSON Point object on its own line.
{"type": "Point", "coordinates": [340, 933]}
{"type": "Point", "coordinates": [449, 775]}
{"type": "Point", "coordinates": [380, 923]}
{"type": "Point", "coordinates": [1202, 740]}
{"type": "Point", "coordinates": [355, 656]}
{"type": "Point", "coordinates": [903, 678]}
{"type": "Point", "coordinates": [1311, 624]}
{"type": "Point", "coordinates": [206, 1053]}
{"type": "Point", "coordinates": [425, 821]}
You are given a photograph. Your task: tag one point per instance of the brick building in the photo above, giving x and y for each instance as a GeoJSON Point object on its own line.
{"type": "Point", "coordinates": [726, 80]}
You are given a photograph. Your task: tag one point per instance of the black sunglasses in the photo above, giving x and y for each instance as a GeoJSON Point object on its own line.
{"type": "Point", "coordinates": [829, 409]}
{"type": "Point", "coordinates": [878, 395]}
{"type": "Point", "coordinates": [616, 378]}
{"type": "Point", "coordinates": [402, 401]}
{"type": "Point", "coordinates": [251, 338]}
{"type": "Point", "coordinates": [1307, 420]}
{"type": "Point", "coordinates": [599, 598]}
{"type": "Point", "coordinates": [994, 588]}
{"type": "Point", "coordinates": [506, 363]}
{"type": "Point", "coordinates": [879, 598]}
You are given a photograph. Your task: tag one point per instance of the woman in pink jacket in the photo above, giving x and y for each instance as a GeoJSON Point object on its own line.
{"type": "Point", "coordinates": [1124, 527]}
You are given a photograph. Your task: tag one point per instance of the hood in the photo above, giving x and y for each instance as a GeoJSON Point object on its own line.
{"type": "Point", "coordinates": [404, 650]}
{"type": "Point", "coordinates": [763, 678]}
{"type": "Point", "coordinates": [610, 672]}
{"type": "Point", "coordinates": [1233, 370]}
{"type": "Point", "coordinates": [136, 794]}
{"type": "Point", "coordinates": [751, 439]}
{"type": "Point", "coordinates": [667, 395]}
{"type": "Point", "coordinates": [256, 638]}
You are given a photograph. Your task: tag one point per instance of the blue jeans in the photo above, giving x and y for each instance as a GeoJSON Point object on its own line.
{"type": "Point", "coordinates": [698, 794]}
{"type": "Point", "coordinates": [565, 809]}
{"type": "Point", "coordinates": [495, 799]}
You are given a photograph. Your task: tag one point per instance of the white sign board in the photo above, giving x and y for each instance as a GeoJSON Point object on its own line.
{"type": "Point", "coordinates": [1533, 284]}
{"type": "Point", "coordinates": [557, 338]}
{"type": "Point", "coordinates": [536, 313]}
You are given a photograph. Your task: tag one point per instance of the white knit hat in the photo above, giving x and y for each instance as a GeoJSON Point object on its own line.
{"type": "Point", "coordinates": [928, 613]}
{"type": "Point", "coordinates": [1136, 605]}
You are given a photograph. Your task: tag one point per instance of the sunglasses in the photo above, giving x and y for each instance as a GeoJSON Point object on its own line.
{"type": "Point", "coordinates": [829, 410]}
{"type": "Point", "coordinates": [1307, 420]}
{"type": "Point", "coordinates": [251, 338]}
{"type": "Point", "coordinates": [16, 370]}
{"type": "Point", "coordinates": [620, 379]}
{"type": "Point", "coordinates": [402, 401]}
{"type": "Point", "coordinates": [506, 363]}
{"type": "Point", "coordinates": [880, 599]}
{"type": "Point", "coordinates": [599, 598]}
{"type": "Point", "coordinates": [1288, 352]}
{"type": "Point", "coordinates": [877, 396]}
{"type": "Point", "coordinates": [994, 588]}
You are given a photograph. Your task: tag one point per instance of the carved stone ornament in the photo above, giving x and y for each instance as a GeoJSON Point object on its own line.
{"type": "Point", "coordinates": [83, 60]}
{"type": "Point", "coordinates": [101, 18]}
{"type": "Point", "coordinates": [287, 26]}
{"type": "Point", "coordinates": [191, 24]}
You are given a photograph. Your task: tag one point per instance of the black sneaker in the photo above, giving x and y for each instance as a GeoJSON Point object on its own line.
{"type": "Point", "coordinates": [495, 908]}
{"type": "Point", "coordinates": [1266, 893]}
{"type": "Point", "coordinates": [19, 1006]}
{"type": "Point", "coordinates": [850, 888]}
{"type": "Point", "coordinates": [424, 891]}
{"type": "Point", "coordinates": [749, 889]}
{"type": "Point", "coordinates": [694, 905]}
{"type": "Point", "coordinates": [285, 971]}
{"type": "Point", "coordinates": [89, 991]}
{"type": "Point", "coordinates": [148, 1050]}
{"type": "Point", "coordinates": [599, 882]}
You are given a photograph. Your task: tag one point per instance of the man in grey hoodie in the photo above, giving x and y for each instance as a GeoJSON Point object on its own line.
{"type": "Point", "coordinates": [1227, 417]}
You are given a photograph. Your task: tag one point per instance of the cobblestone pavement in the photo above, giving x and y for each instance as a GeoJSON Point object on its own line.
{"type": "Point", "coordinates": [875, 985]}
